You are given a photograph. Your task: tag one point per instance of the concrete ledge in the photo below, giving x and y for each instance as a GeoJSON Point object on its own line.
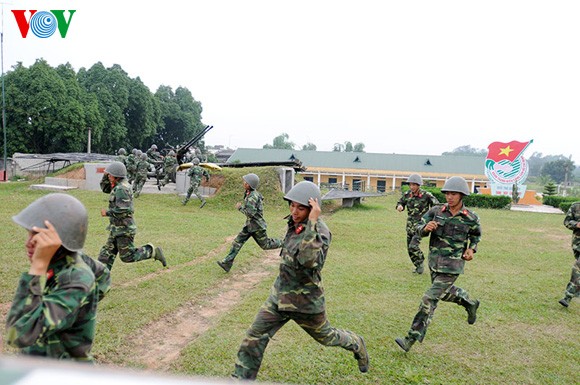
{"type": "Point", "coordinates": [51, 187]}
{"type": "Point", "coordinates": [67, 182]}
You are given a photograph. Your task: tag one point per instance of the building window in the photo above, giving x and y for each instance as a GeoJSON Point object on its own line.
{"type": "Point", "coordinates": [332, 180]}
{"type": "Point", "coordinates": [381, 186]}
{"type": "Point", "coordinates": [357, 185]}
{"type": "Point", "coordinates": [309, 178]}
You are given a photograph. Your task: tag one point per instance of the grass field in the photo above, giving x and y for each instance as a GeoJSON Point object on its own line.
{"type": "Point", "coordinates": [190, 318]}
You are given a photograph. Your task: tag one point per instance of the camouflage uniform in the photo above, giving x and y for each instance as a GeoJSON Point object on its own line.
{"type": "Point", "coordinates": [297, 294]}
{"type": "Point", "coordinates": [168, 165]}
{"type": "Point", "coordinates": [123, 229]}
{"type": "Point", "coordinates": [53, 315]}
{"type": "Point", "coordinates": [417, 205]}
{"type": "Point", "coordinates": [571, 222]}
{"type": "Point", "coordinates": [195, 174]}
{"type": "Point", "coordinates": [156, 159]}
{"type": "Point", "coordinates": [131, 165]}
{"type": "Point", "coordinates": [140, 175]}
{"type": "Point", "coordinates": [454, 234]}
{"type": "Point", "coordinates": [255, 227]}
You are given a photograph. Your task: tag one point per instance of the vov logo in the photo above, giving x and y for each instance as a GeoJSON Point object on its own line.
{"type": "Point", "coordinates": [43, 24]}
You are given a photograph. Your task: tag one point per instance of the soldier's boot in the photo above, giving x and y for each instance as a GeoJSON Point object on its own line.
{"type": "Point", "coordinates": [225, 265]}
{"type": "Point", "coordinates": [361, 355]}
{"type": "Point", "coordinates": [565, 301]}
{"type": "Point", "coordinates": [419, 269]}
{"type": "Point", "coordinates": [471, 308]}
{"type": "Point", "coordinates": [158, 256]}
{"type": "Point", "coordinates": [184, 202]}
{"type": "Point", "coordinates": [159, 187]}
{"type": "Point", "coordinates": [405, 343]}
{"type": "Point", "coordinates": [202, 204]}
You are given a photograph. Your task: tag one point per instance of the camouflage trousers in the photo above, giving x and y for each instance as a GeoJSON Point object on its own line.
{"type": "Point", "coordinates": [123, 245]}
{"type": "Point", "coordinates": [261, 238]}
{"type": "Point", "coordinates": [193, 189]}
{"type": "Point", "coordinates": [573, 287]}
{"type": "Point", "coordinates": [138, 185]}
{"type": "Point", "coordinates": [413, 245]}
{"type": "Point", "coordinates": [442, 288]}
{"type": "Point", "coordinates": [269, 320]}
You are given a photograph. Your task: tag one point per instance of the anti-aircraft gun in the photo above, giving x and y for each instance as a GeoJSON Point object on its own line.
{"type": "Point", "coordinates": [183, 150]}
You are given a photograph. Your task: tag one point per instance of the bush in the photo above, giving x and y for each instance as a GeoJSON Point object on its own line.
{"type": "Point", "coordinates": [476, 200]}
{"type": "Point", "coordinates": [555, 200]}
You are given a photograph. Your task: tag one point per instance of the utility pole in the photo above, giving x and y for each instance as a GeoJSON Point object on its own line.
{"type": "Point", "coordinates": [89, 142]}
{"type": "Point", "coordinates": [3, 95]}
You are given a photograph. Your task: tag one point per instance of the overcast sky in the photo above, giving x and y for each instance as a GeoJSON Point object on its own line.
{"type": "Point", "coordinates": [408, 77]}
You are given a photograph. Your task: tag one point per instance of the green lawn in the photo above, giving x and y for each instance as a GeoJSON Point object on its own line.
{"type": "Point", "coordinates": [522, 335]}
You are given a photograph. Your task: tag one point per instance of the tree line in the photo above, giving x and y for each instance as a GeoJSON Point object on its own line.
{"type": "Point", "coordinates": [50, 110]}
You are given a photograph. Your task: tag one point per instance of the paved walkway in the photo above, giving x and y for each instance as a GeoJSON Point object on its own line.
{"type": "Point", "coordinates": [537, 209]}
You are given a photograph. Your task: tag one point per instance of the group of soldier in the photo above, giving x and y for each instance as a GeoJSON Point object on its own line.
{"type": "Point", "coordinates": [139, 163]}
{"type": "Point", "coordinates": [64, 281]}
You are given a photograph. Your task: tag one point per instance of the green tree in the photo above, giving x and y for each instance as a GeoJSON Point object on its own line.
{"type": "Point", "coordinates": [347, 146]}
{"type": "Point", "coordinates": [466, 150]}
{"type": "Point", "coordinates": [359, 147]}
{"type": "Point", "coordinates": [281, 142]}
{"type": "Point", "coordinates": [142, 116]}
{"type": "Point", "coordinates": [309, 147]}
{"type": "Point", "coordinates": [559, 170]}
{"type": "Point", "coordinates": [45, 113]}
{"type": "Point", "coordinates": [550, 189]}
{"type": "Point", "coordinates": [338, 147]}
{"type": "Point", "coordinates": [111, 88]}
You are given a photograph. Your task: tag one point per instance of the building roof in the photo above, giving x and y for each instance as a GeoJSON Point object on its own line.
{"type": "Point", "coordinates": [385, 163]}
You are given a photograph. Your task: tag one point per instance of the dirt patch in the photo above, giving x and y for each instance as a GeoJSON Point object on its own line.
{"type": "Point", "coordinates": [79, 173]}
{"type": "Point", "coordinates": [175, 331]}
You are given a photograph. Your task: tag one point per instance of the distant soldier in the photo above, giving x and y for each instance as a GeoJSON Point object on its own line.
{"type": "Point", "coordinates": [298, 293]}
{"type": "Point", "coordinates": [54, 308]}
{"type": "Point", "coordinates": [195, 173]}
{"type": "Point", "coordinates": [122, 156]}
{"type": "Point", "coordinates": [418, 202]}
{"type": "Point", "coordinates": [454, 234]}
{"type": "Point", "coordinates": [131, 165]}
{"type": "Point", "coordinates": [253, 208]}
{"type": "Point", "coordinates": [156, 159]}
{"type": "Point", "coordinates": [572, 222]}
{"type": "Point", "coordinates": [122, 228]}
{"type": "Point", "coordinates": [168, 168]}
{"type": "Point", "coordinates": [140, 175]}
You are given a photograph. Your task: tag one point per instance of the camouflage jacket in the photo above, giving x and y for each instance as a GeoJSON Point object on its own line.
{"type": "Point", "coordinates": [120, 210]}
{"type": "Point", "coordinates": [168, 163]}
{"type": "Point", "coordinates": [142, 168]}
{"type": "Point", "coordinates": [154, 155]}
{"type": "Point", "coordinates": [122, 159]}
{"type": "Point", "coordinates": [571, 222]}
{"type": "Point", "coordinates": [452, 237]}
{"type": "Point", "coordinates": [196, 173]}
{"type": "Point", "coordinates": [53, 315]}
{"type": "Point", "coordinates": [130, 163]}
{"type": "Point", "coordinates": [417, 205]}
{"type": "Point", "coordinates": [253, 208]}
{"type": "Point", "coordinates": [298, 287]}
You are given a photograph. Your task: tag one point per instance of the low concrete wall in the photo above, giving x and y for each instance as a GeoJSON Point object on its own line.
{"type": "Point", "coordinates": [93, 174]}
{"type": "Point", "coordinates": [65, 182]}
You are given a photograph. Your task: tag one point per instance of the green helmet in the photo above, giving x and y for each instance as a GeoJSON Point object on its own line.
{"type": "Point", "coordinates": [66, 213]}
{"type": "Point", "coordinates": [302, 192]}
{"type": "Point", "coordinates": [116, 169]}
{"type": "Point", "coordinates": [415, 178]}
{"type": "Point", "coordinates": [171, 153]}
{"type": "Point", "coordinates": [143, 156]}
{"type": "Point", "coordinates": [134, 151]}
{"type": "Point", "coordinates": [195, 161]}
{"type": "Point", "coordinates": [122, 151]}
{"type": "Point", "coordinates": [138, 153]}
{"type": "Point", "coordinates": [252, 179]}
{"type": "Point", "coordinates": [456, 184]}
{"type": "Point", "coordinates": [154, 147]}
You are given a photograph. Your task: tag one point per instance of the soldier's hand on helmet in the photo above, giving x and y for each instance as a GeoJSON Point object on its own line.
{"type": "Point", "coordinates": [400, 208]}
{"type": "Point", "coordinates": [468, 255]}
{"type": "Point", "coordinates": [238, 205]}
{"type": "Point", "coordinates": [314, 209]}
{"type": "Point", "coordinates": [103, 212]}
{"type": "Point", "coordinates": [45, 242]}
{"type": "Point", "coordinates": [431, 226]}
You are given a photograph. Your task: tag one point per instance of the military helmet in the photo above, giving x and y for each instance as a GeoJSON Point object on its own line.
{"type": "Point", "coordinates": [122, 151]}
{"type": "Point", "coordinates": [138, 152]}
{"type": "Point", "coordinates": [171, 153]}
{"type": "Point", "coordinates": [143, 156]}
{"type": "Point", "coordinates": [195, 161]}
{"type": "Point", "coordinates": [415, 178]}
{"type": "Point", "coordinates": [456, 184]}
{"type": "Point", "coordinates": [116, 169]}
{"type": "Point", "coordinates": [302, 191]}
{"type": "Point", "coordinates": [134, 151]}
{"type": "Point", "coordinates": [252, 179]}
{"type": "Point", "coordinates": [66, 213]}
{"type": "Point", "coordinates": [154, 147]}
